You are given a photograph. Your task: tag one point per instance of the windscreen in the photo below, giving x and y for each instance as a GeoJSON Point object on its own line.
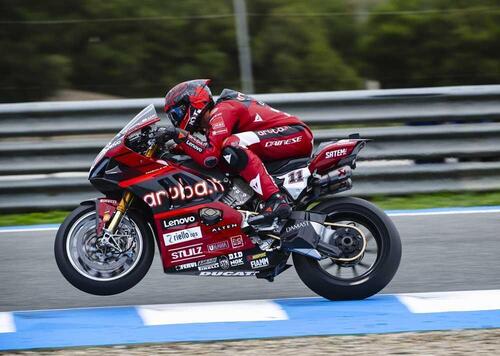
{"type": "Point", "coordinates": [146, 117]}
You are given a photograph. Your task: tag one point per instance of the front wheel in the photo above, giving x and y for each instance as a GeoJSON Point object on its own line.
{"type": "Point", "coordinates": [367, 274]}
{"type": "Point", "coordinates": [103, 269]}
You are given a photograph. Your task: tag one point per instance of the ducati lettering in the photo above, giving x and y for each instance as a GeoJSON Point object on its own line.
{"type": "Point", "coordinates": [221, 245]}
{"type": "Point", "coordinates": [224, 262]}
{"type": "Point", "coordinates": [188, 253]}
{"type": "Point", "coordinates": [262, 262]}
{"type": "Point", "coordinates": [224, 227]}
{"type": "Point", "coordinates": [290, 141]}
{"type": "Point", "coordinates": [296, 226]}
{"type": "Point", "coordinates": [229, 273]}
{"type": "Point", "coordinates": [183, 220]}
{"type": "Point", "coordinates": [336, 153]}
{"type": "Point", "coordinates": [176, 237]}
{"type": "Point", "coordinates": [184, 192]}
{"type": "Point", "coordinates": [237, 241]}
{"type": "Point", "coordinates": [185, 266]}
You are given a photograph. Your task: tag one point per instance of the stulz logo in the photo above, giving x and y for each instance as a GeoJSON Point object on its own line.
{"type": "Point", "coordinates": [188, 253]}
{"type": "Point", "coordinates": [224, 227]}
{"type": "Point", "coordinates": [229, 273]}
{"type": "Point", "coordinates": [296, 226]}
{"type": "Point", "coordinates": [336, 153]}
{"type": "Point", "coordinates": [183, 220]}
{"type": "Point", "coordinates": [184, 192]}
{"type": "Point", "coordinates": [176, 237]}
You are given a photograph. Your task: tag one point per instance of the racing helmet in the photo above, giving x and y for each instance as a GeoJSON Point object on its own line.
{"type": "Point", "coordinates": [186, 103]}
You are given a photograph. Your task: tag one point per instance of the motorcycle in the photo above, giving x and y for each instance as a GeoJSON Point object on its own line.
{"type": "Point", "coordinates": [205, 222]}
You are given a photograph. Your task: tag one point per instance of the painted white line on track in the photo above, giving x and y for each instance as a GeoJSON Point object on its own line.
{"type": "Point", "coordinates": [27, 229]}
{"type": "Point", "coordinates": [430, 213]}
{"type": "Point", "coordinates": [442, 302]}
{"type": "Point", "coordinates": [7, 323]}
{"type": "Point", "coordinates": [214, 312]}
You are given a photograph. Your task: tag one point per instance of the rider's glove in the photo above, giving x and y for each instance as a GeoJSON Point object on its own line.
{"type": "Point", "coordinates": [163, 134]}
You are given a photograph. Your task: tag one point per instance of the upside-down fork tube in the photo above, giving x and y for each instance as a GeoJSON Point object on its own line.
{"type": "Point", "coordinates": [126, 200]}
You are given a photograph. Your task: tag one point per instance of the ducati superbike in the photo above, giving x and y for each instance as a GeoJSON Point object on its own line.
{"type": "Point", "coordinates": [205, 222]}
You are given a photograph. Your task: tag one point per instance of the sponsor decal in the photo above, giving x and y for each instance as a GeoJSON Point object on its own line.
{"type": "Point", "coordinates": [185, 266]}
{"type": "Point", "coordinates": [208, 267]}
{"type": "Point", "coordinates": [182, 192]}
{"type": "Point", "coordinates": [182, 220]}
{"type": "Point", "coordinates": [255, 184]}
{"type": "Point", "coordinates": [176, 237]}
{"type": "Point", "coordinates": [224, 227]}
{"type": "Point", "coordinates": [275, 130]}
{"type": "Point", "coordinates": [221, 245]}
{"type": "Point", "coordinates": [235, 255]}
{"type": "Point", "coordinates": [208, 261]}
{"type": "Point", "coordinates": [219, 132]}
{"type": "Point", "coordinates": [257, 118]}
{"type": "Point", "coordinates": [336, 153]}
{"type": "Point", "coordinates": [237, 241]}
{"type": "Point", "coordinates": [257, 256]}
{"type": "Point", "coordinates": [296, 226]}
{"type": "Point", "coordinates": [224, 262]}
{"type": "Point", "coordinates": [194, 146]}
{"type": "Point", "coordinates": [217, 122]}
{"type": "Point", "coordinates": [278, 143]}
{"type": "Point", "coordinates": [229, 273]}
{"type": "Point", "coordinates": [187, 253]}
{"type": "Point", "coordinates": [236, 259]}
{"type": "Point", "coordinates": [236, 262]}
{"type": "Point", "coordinates": [261, 262]}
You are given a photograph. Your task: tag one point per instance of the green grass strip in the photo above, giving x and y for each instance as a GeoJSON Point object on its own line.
{"type": "Point", "coordinates": [416, 201]}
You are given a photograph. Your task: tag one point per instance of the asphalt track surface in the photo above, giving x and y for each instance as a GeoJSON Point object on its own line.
{"type": "Point", "coordinates": [440, 253]}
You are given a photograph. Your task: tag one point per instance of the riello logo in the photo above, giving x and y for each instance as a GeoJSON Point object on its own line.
{"type": "Point", "coordinates": [182, 192]}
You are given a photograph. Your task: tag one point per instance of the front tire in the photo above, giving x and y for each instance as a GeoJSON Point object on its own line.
{"type": "Point", "coordinates": [379, 271]}
{"type": "Point", "coordinates": [99, 272]}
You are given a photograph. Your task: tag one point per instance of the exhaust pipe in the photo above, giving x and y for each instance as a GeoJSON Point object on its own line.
{"type": "Point", "coordinates": [335, 181]}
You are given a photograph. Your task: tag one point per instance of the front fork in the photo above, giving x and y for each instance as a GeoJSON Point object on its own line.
{"type": "Point", "coordinates": [126, 200]}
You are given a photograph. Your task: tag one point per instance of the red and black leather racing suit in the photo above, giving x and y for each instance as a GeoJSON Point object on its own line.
{"type": "Point", "coordinates": [245, 132]}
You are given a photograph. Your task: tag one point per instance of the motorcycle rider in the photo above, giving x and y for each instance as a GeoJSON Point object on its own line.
{"type": "Point", "coordinates": [240, 131]}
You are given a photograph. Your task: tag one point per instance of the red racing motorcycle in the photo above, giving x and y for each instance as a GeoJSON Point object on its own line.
{"type": "Point", "coordinates": [206, 222]}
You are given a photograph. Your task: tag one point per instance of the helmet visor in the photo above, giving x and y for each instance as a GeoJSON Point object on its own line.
{"type": "Point", "coordinates": [176, 114]}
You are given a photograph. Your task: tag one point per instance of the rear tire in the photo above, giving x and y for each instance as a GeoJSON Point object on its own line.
{"type": "Point", "coordinates": [380, 272]}
{"type": "Point", "coordinates": [75, 268]}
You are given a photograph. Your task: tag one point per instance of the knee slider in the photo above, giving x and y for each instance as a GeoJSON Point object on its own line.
{"type": "Point", "coordinates": [236, 157]}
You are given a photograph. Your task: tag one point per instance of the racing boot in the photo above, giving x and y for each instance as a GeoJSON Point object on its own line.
{"type": "Point", "coordinates": [276, 208]}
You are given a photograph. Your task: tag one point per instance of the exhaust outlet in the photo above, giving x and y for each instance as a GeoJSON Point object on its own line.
{"type": "Point", "coordinates": [332, 178]}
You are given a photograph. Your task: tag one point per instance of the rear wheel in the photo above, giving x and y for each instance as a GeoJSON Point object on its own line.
{"type": "Point", "coordinates": [103, 269]}
{"type": "Point", "coordinates": [354, 220]}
